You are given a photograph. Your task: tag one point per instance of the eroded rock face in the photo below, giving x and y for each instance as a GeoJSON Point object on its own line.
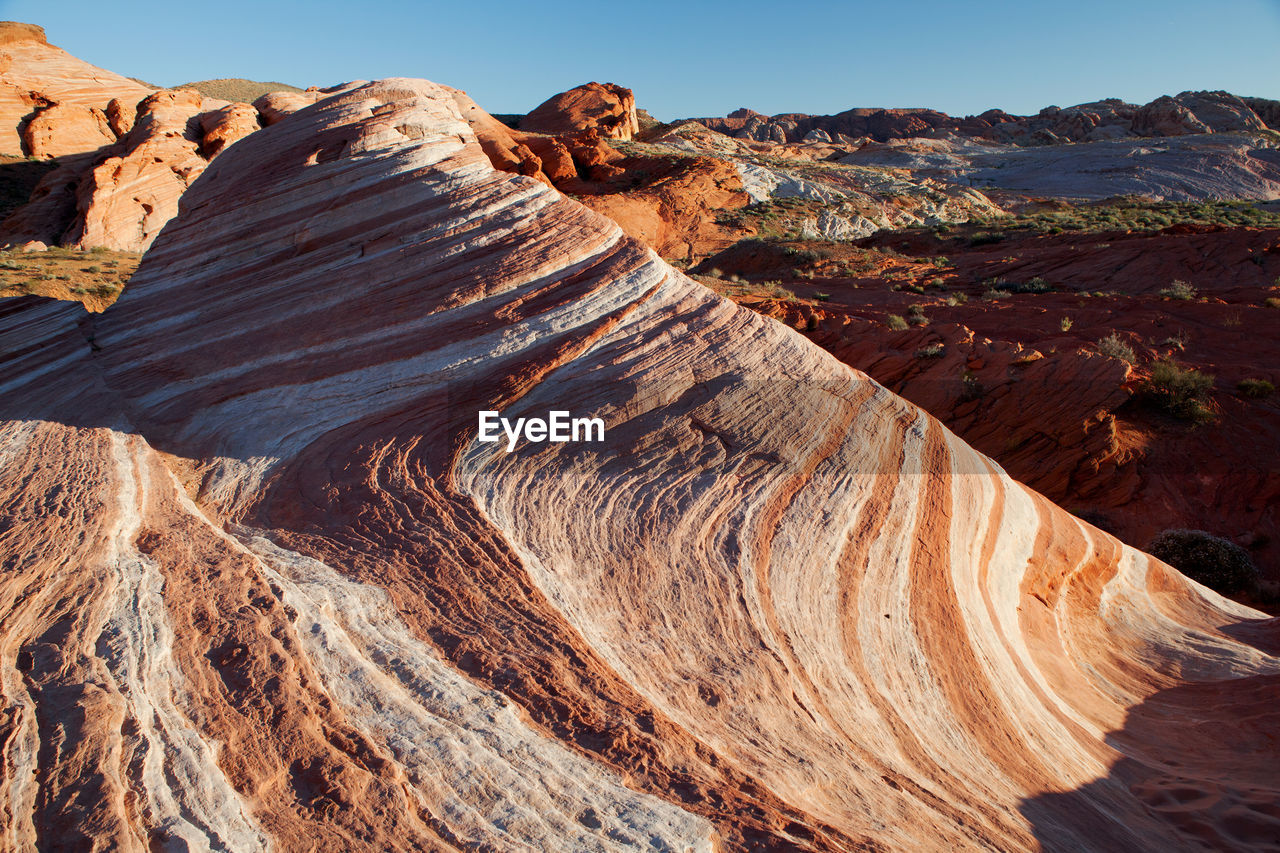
{"type": "Point", "coordinates": [606, 108]}
{"type": "Point", "coordinates": [63, 129]}
{"type": "Point", "coordinates": [35, 76]}
{"type": "Point", "coordinates": [276, 105]}
{"type": "Point", "coordinates": [288, 543]}
{"type": "Point", "coordinates": [124, 200]}
{"type": "Point", "coordinates": [505, 148]}
{"type": "Point", "coordinates": [224, 126]}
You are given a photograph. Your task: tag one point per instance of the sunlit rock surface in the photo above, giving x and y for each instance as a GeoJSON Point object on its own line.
{"type": "Point", "coordinates": [263, 587]}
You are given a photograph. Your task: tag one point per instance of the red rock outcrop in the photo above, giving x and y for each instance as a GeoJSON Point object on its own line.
{"type": "Point", "coordinates": [221, 127]}
{"type": "Point", "coordinates": [124, 200]}
{"type": "Point", "coordinates": [606, 108]}
{"type": "Point", "coordinates": [121, 196]}
{"type": "Point", "coordinates": [274, 106]}
{"type": "Point", "coordinates": [504, 147]}
{"type": "Point", "coordinates": [63, 129]}
{"type": "Point", "coordinates": [121, 114]}
{"type": "Point", "coordinates": [265, 587]}
{"type": "Point", "coordinates": [670, 204]}
{"type": "Point", "coordinates": [35, 75]}
{"type": "Point", "coordinates": [1182, 114]}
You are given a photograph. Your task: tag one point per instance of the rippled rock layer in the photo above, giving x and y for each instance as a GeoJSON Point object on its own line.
{"type": "Point", "coordinates": [263, 587]}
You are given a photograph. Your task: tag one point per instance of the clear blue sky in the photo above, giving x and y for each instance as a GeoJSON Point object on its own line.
{"type": "Point", "coordinates": [694, 58]}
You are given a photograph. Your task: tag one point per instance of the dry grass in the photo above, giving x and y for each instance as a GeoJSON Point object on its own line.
{"type": "Point", "coordinates": [94, 278]}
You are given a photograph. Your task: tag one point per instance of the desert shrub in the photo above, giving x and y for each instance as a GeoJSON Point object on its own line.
{"type": "Point", "coordinates": [957, 299]}
{"type": "Point", "coordinates": [1113, 346]}
{"type": "Point", "coordinates": [970, 386]}
{"type": "Point", "coordinates": [1179, 290]}
{"type": "Point", "coordinates": [985, 238]}
{"type": "Point", "coordinates": [1034, 285]}
{"type": "Point", "coordinates": [930, 351]}
{"type": "Point", "coordinates": [822, 297]}
{"type": "Point", "coordinates": [896, 322]}
{"type": "Point", "coordinates": [1181, 391]}
{"type": "Point", "coordinates": [1065, 324]}
{"type": "Point", "coordinates": [916, 310]}
{"type": "Point", "coordinates": [1217, 563]}
{"type": "Point", "coordinates": [994, 294]}
{"type": "Point", "coordinates": [1273, 302]}
{"type": "Point", "coordinates": [804, 256]}
{"type": "Point", "coordinates": [777, 291]}
{"type": "Point", "coordinates": [1255, 388]}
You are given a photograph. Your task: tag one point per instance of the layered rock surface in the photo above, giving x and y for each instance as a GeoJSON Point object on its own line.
{"type": "Point", "coordinates": [264, 587]}
{"type": "Point", "coordinates": [36, 76]}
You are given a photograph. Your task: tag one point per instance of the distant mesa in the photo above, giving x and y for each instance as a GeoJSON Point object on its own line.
{"type": "Point", "coordinates": [1111, 118]}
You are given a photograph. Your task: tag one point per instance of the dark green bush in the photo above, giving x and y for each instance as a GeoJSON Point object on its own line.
{"type": "Point", "coordinates": [1255, 388]}
{"type": "Point", "coordinates": [1180, 391]}
{"type": "Point", "coordinates": [1217, 563]}
{"type": "Point", "coordinates": [1034, 285]}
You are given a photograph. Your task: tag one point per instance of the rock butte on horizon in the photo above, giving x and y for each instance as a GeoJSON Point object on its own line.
{"type": "Point", "coordinates": [264, 590]}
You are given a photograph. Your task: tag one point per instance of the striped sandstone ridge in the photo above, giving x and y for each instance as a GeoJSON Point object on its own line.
{"type": "Point", "coordinates": [263, 588]}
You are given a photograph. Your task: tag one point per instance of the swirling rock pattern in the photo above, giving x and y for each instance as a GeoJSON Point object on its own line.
{"type": "Point", "coordinates": [263, 587]}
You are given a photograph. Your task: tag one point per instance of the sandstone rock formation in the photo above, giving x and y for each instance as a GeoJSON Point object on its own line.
{"type": "Point", "coordinates": [505, 148]}
{"type": "Point", "coordinates": [276, 105]}
{"type": "Point", "coordinates": [1010, 380]}
{"type": "Point", "coordinates": [36, 76]}
{"type": "Point", "coordinates": [120, 196]}
{"type": "Point", "coordinates": [219, 128]}
{"type": "Point", "coordinates": [124, 200]}
{"type": "Point", "coordinates": [603, 107]}
{"type": "Point", "coordinates": [264, 587]}
{"type": "Point", "coordinates": [62, 129]}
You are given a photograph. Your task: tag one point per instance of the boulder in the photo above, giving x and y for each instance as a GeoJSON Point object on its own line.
{"type": "Point", "coordinates": [224, 126]}
{"type": "Point", "coordinates": [121, 114]}
{"type": "Point", "coordinates": [63, 129]}
{"type": "Point", "coordinates": [604, 107]}
{"type": "Point", "coordinates": [276, 105]}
